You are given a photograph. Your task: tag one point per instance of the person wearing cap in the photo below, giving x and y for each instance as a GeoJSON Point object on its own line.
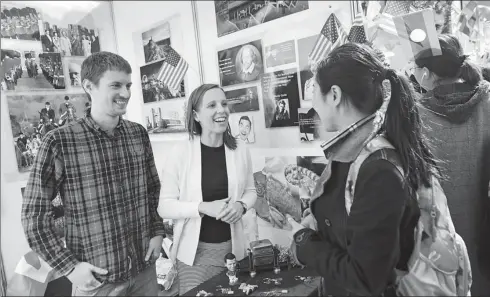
{"type": "Point", "coordinates": [456, 113]}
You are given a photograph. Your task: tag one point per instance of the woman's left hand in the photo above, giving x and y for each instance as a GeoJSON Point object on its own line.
{"type": "Point", "coordinates": [231, 214]}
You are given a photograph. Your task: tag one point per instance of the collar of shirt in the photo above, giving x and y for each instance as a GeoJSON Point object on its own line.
{"type": "Point", "coordinates": [250, 69]}
{"type": "Point", "coordinates": [92, 124]}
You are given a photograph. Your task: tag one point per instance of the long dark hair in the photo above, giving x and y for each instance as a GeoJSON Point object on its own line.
{"type": "Point", "coordinates": [194, 104]}
{"type": "Point", "coordinates": [360, 74]}
{"type": "Point", "coordinates": [452, 63]}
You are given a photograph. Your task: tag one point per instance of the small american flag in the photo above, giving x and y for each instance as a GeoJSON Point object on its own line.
{"type": "Point", "coordinates": [357, 32]}
{"type": "Point", "coordinates": [332, 35]}
{"type": "Point", "coordinates": [173, 71]}
{"type": "Point", "coordinates": [396, 8]}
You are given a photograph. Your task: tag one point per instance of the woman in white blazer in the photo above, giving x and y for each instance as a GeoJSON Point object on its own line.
{"type": "Point", "coordinates": [207, 186]}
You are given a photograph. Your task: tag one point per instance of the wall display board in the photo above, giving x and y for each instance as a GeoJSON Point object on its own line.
{"type": "Point", "coordinates": [233, 16]}
{"type": "Point", "coordinates": [42, 47]}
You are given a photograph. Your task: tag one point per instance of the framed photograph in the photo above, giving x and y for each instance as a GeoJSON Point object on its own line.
{"type": "Point", "coordinates": [240, 64]}
{"type": "Point", "coordinates": [242, 127]}
{"type": "Point", "coordinates": [280, 96]}
{"type": "Point", "coordinates": [233, 16]}
{"type": "Point", "coordinates": [28, 69]}
{"type": "Point", "coordinates": [280, 54]}
{"type": "Point", "coordinates": [156, 42]}
{"type": "Point", "coordinates": [309, 123]}
{"type": "Point", "coordinates": [165, 117]}
{"type": "Point", "coordinates": [154, 89]}
{"type": "Point", "coordinates": [32, 116]}
{"type": "Point", "coordinates": [242, 100]}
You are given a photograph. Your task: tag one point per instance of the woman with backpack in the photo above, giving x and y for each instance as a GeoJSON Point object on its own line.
{"type": "Point", "coordinates": [457, 114]}
{"type": "Point", "coordinates": [359, 241]}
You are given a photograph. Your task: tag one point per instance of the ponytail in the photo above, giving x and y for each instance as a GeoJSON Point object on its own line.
{"type": "Point", "coordinates": [404, 130]}
{"type": "Point", "coordinates": [470, 73]}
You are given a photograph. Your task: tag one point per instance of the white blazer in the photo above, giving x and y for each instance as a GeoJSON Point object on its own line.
{"type": "Point", "coordinates": [181, 194]}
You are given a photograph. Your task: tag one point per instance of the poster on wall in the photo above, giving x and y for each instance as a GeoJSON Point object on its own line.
{"type": "Point", "coordinates": [284, 186]}
{"type": "Point", "coordinates": [74, 67]}
{"type": "Point", "coordinates": [154, 89]}
{"type": "Point", "coordinates": [165, 117]}
{"type": "Point", "coordinates": [281, 98]}
{"type": "Point", "coordinates": [242, 127]}
{"type": "Point", "coordinates": [233, 16]}
{"type": "Point", "coordinates": [29, 70]}
{"type": "Point", "coordinates": [280, 54]}
{"type": "Point", "coordinates": [32, 116]}
{"type": "Point", "coordinates": [156, 42]}
{"type": "Point", "coordinates": [20, 22]}
{"type": "Point", "coordinates": [242, 100]}
{"type": "Point", "coordinates": [309, 124]}
{"type": "Point", "coordinates": [305, 46]}
{"type": "Point", "coordinates": [241, 63]}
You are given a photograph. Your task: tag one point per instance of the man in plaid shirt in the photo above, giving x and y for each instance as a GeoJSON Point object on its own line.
{"type": "Point", "coordinates": [104, 170]}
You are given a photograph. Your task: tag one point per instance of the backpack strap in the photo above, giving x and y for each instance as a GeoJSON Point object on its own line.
{"type": "Point", "coordinates": [378, 143]}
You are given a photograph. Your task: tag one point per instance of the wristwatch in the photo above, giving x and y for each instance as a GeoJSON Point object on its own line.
{"type": "Point", "coordinates": [244, 207]}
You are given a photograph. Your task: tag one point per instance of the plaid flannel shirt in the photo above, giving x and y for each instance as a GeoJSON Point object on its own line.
{"type": "Point", "coordinates": [110, 190]}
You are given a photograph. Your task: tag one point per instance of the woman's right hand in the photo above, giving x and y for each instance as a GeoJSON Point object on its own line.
{"type": "Point", "coordinates": [213, 208]}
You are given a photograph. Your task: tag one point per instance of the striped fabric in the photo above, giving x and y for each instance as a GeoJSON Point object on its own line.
{"type": "Point", "coordinates": [173, 71]}
{"type": "Point", "coordinates": [331, 36]}
{"type": "Point", "coordinates": [208, 263]}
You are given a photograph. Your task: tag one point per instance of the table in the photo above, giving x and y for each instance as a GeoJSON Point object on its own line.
{"type": "Point", "coordinates": [295, 287]}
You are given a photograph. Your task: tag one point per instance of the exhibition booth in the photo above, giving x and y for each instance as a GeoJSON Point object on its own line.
{"type": "Point", "coordinates": [257, 51]}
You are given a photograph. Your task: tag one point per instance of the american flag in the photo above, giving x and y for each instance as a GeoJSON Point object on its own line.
{"type": "Point", "coordinates": [357, 32]}
{"type": "Point", "coordinates": [396, 8]}
{"type": "Point", "coordinates": [173, 71]}
{"type": "Point", "coordinates": [332, 35]}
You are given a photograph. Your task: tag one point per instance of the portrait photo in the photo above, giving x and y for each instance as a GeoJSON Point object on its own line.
{"type": "Point", "coordinates": [242, 127]}
{"type": "Point", "coordinates": [154, 89]}
{"type": "Point", "coordinates": [32, 116]}
{"type": "Point", "coordinates": [242, 100]}
{"type": "Point", "coordinates": [241, 63]}
{"type": "Point", "coordinates": [280, 97]}
{"type": "Point", "coordinates": [309, 123]}
{"type": "Point", "coordinates": [233, 16]}
{"type": "Point", "coordinates": [19, 22]}
{"type": "Point", "coordinates": [74, 67]}
{"type": "Point", "coordinates": [156, 42]}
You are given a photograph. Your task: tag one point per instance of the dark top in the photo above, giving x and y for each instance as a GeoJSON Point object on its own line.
{"type": "Point", "coordinates": [357, 254]}
{"type": "Point", "coordinates": [214, 183]}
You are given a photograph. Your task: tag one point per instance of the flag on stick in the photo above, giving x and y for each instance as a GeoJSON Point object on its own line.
{"type": "Point", "coordinates": [417, 33]}
{"type": "Point", "coordinates": [331, 36]}
{"type": "Point", "coordinates": [173, 70]}
{"type": "Point", "coordinates": [357, 32]}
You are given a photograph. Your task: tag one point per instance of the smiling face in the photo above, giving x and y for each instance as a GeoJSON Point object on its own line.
{"type": "Point", "coordinates": [213, 112]}
{"type": "Point", "coordinates": [231, 265]}
{"type": "Point", "coordinates": [112, 94]}
{"type": "Point", "coordinates": [244, 127]}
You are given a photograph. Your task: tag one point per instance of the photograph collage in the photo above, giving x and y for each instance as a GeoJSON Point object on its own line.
{"type": "Point", "coordinates": [40, 71]}
{"type": "Point", "coordinates": [163, 110]}
{"type": "Point", "coordinates": [279, 75]}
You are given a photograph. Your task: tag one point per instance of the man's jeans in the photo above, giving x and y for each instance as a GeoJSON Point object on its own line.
{"type": "Point", "coordinates": [143, 284]}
